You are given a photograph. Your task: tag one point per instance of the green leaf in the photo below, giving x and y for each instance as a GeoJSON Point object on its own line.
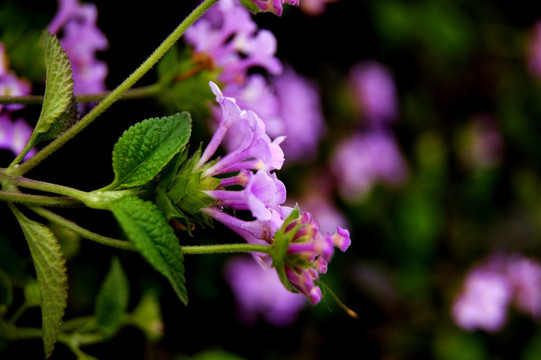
{"type": "Point", "coordinates": [147, 147]}
{"type": "Point", "coordinates": [112, 299]}
{"type": "Point", "coordinates": [147, 316]}
{"type": "Point", "coordinates": [59, 109]}
{"type": "Point", "coordinates": [50, 268]}
{"type": "Point", "coordinates": [146, 226]}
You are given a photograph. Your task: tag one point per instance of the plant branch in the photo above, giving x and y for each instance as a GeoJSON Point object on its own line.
{"type": "Point", "coordinates": [134, 93]}
{"type": "Point", "coordinates": [44, 186]}
{"type": "Point", "coordinates": [224, 248]}
{"type": "Point", "coordinates": [119, 91]}
{"type": "Point", "coordinates": [82, 232]}
{"type": "Point", "coordinates": [39, 200]}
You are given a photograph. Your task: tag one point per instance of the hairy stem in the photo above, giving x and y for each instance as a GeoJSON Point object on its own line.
{"type": "Point", "coordinates": [82, 232]}
{"type": "Point", "coordinates": [39, 200]}
{"type": "Point", "coordinates": [44, 186]}
{"type": "Point", "coordinates": [134, 93]}
{"type": "Point", "coordinates": [119, 91]}
{"type": "Point", "coordinates": [224, 248]}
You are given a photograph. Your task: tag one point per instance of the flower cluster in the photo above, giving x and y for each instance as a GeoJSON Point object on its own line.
{"type": "Point", "coordinates": [81, 39]}
{"type": "Point", "coordinates": [492, 286]}
{"type": "Point", "coordinates": [370, 154]}
{"type": "Point", "coordinates": [298, 250]}
{"type": "Point", "coordinates": [285, 100]}
{"type": "Point", "coordinates": [13, 134]}
{"type": "Point", "coordinates": [364, 159]}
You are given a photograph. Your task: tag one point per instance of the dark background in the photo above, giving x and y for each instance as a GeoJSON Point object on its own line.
{"type": "Point", "coordinates": [450, 60]}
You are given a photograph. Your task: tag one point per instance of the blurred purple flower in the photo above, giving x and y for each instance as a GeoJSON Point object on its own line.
{"type": "Point", "coordinates": [229, 36]}
{"type": "Point", "coordinates": [14, 135]}
{"type": "Point", "coordinates": [525, 276]}
{"type": "Point", "coordinates": [364, 159]}
{"type": "Point", "coordinates": [492, 286]}
{"type": "Point", "coordinates": [81, 39]}
{"type": "Point", "coordinates": [259, 293]}
{"type": "Point", "coordinates": [257, 94]}
{"type": "Point", "coordinates": [10, 84]}
{"type": "Point", "coordinates": [483, 301]}
{"type": "Point", "coordinates": [534, 51]}
{"type": "Point", "coordinates": [375, 92]}
{"type": "Point", "coordinates": [314, 7]}
{"type": "Point", "coordinates": [317, 199]}
{"type": "Point", "coordinates": [301, 115]}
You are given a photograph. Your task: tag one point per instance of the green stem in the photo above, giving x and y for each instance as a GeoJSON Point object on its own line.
{"type": "Point", "coordinates": [39, 200]}
{"type": "Point", "coordinates": [18, 313]}
{"type": "Point", "coordinates": [224, 248]}
{"type": "Point", "coordinates": [131, 94]}
{"type": "Point", "coordinates": [82, 232]}
{"type": "Point", "coordinates": [45, 186]}
{"type": "Point", "coordinates": [119, 91]}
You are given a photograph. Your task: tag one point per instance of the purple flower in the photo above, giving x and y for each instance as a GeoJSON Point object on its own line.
{"type": "Point", "coordinates": [274, 6]}
{"type": "Point", "coordinates": [229, 36]}
{"type": "Point", "coordinates": [290, 106]}
{"type": "Point", "coordinates": [534, 49]}
{"type": "Point", "coordinates": [307, 253]}
{"type": "Point", "coordinates": [483, 301]}
{"type": "Point", "coordinates": [262, 193]}
{"type": "Point", "coordinates": [314, 7]}
{"type": "Point", "coordinates": [10, 84]}
{"type": "Point", "coordinates": [258, 95]}
{"type": "Point", "coordinates": [259, 293]}
{"type": "Point", "coordinates": [364, 159]}
{"type": "Point", "coordinates": [318, 200]}
{"type": "Point", "coordinates": [251, 148]}
{"type": "Point", "coordinates": [81, 40]}
{"type": "Point", "coordinates": [299, 251]}
{"type": "Point", "coordinates": [375, 92]}
{"type": "Point", "coordinates": [301, 115]}
{"type": "Point", "coordinates": [525, 276]}
{"type": "Point", "coordinates": [14, 135]}
{"type": "Point", "coordinates": [4, 63]}
{"type": "Point", "coordinates": [495, 284]}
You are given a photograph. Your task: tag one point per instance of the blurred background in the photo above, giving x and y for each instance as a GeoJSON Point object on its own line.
{"type": "Point", "coordinates": [430, 156]}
